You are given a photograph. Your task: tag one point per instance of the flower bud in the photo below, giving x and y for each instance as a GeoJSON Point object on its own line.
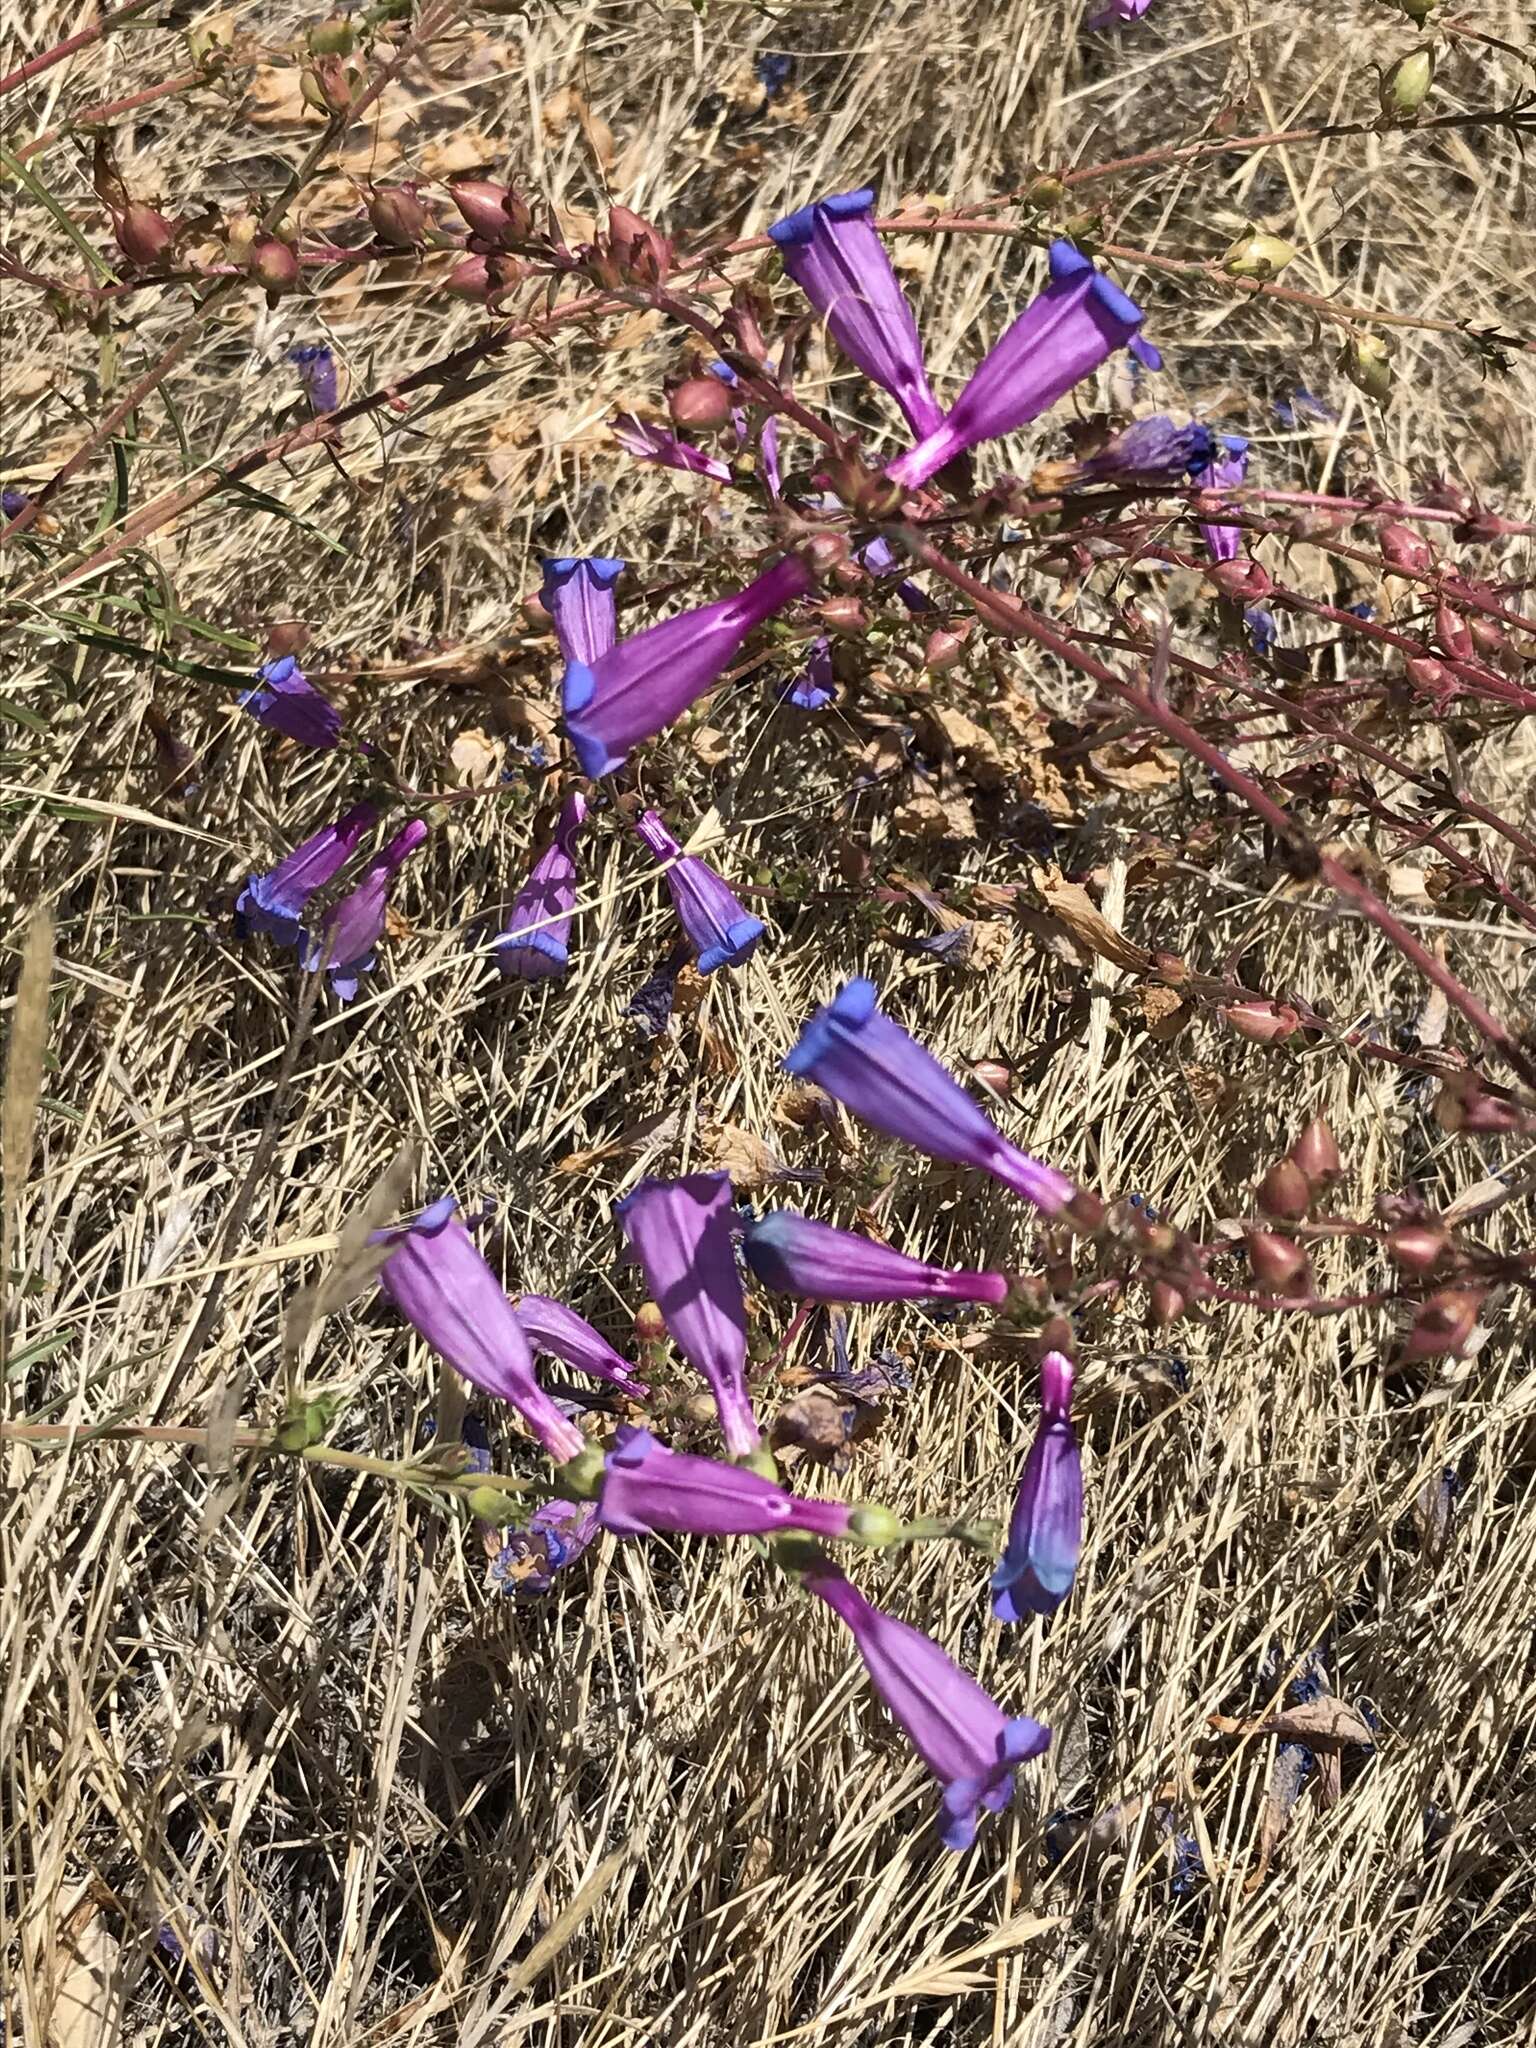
{"type": "Point", "coordinates": [700, 404]}
{"type": "Point", "coordinates": [943, 650]}
{"type": "Point", "coordinates": [286, 636]}
{"type": "Point", "coordinates": [1284, 1192]}
{"type": "Point", "coordinates": [1260, 1022]}
{"type": "Point", "coordinates": [1418, 11]}
{"type": "Point", "coordinates": [843, 615]}
{"type": "Point", "coordinates": [327, 86]}
{"type": "Point", "coordinates": [1279, 1263]}
{"type": "Point", "coordinates": [495, 214]}
{"type": "Point", "coordinates": [1167, 1303]}
{"type": "Point", "coordinates": [1317, 1155]}
{"type": "Point", "coordinates": [1366, 361]}
{"type": "Point", "coordinates": [398, 216]}
{"type": "Point", "coordinates": [470, 280]}
{"type": "Point", "coordinates": [487, 1504]}
{"type": "Point", "coordinates": [1442, 1326]}
{"type": "Point", "coordinates": [823, 554]}
{"type": "Point", "coordinates": [1257, 255]}
{"type": "Point", "coordinates": [143, 233]}
{"type": "Point", "coordinates": [581, 1477]}
{"type": "Point", "coordinates": [650, 1324]}
{"type": "Point", "coordinates": [1084, 1212]}
{"type": "Point", "coordinates": [1405, 87]}
{"type": "Point", "coordinates": [1058, 1335]}
{"type": "Point", "coordinates": [274, 267]}
{"type": "Point", "coordinates": [1045, 193]}
{"type": "Point", "coordinates": [1242, 579]}
{"type": "Point", "coordinates": [1453, 632]}
{"type": "Point", "coordinates": [1402, 548]}
{"type": "Point", "coordinates": [996, 1075]}
{"type": "Point", "coordinates": [1430, 677]}
{"type": "Point", "coordinates": [875, 1526]}
{"type": "Point", "coordinates": [331, 37]}
{"type": "Point", "coordinates": [642, 252]}
{"type": "Point", "coordinates": [1417, 1247]}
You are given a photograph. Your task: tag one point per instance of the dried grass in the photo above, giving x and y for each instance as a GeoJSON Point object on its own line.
{"type": "Point", "coordinates": [280, 1708]}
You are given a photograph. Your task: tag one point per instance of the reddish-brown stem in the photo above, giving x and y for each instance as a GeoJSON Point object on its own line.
{"type": "Point", "coordinates": [113, 110]}
{"type": "Point", "coordinates": [82, 39]}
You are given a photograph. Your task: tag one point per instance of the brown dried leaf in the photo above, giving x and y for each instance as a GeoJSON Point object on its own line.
{"type": "Point", "coordinates": [1076, 909]}
{"type": "Point", "coordinates": [710, 746]}
{"type": "Point", "coordinates": [742, 1154]}
{"type": "Point", "coordinates": [1126, 767]}
{"type": "Point", "coordinates": [86, 2005]}
{"type": "Point", "coordinates": [1163, 1011]}
{"type": "Point", "coordinates": [476, 759]}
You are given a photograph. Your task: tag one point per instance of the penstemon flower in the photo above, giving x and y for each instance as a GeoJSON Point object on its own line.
{"type": "Point", "coordinates": [1118, 11]}
{"type": "Point", "coordinates": [684, 1234]}
{"type": "Point", "coordinates": [550, 1326]}
{"type": "Point", "coordinates": [833, 253]}
{"type": "Point", "coordinates": [536, 941]}
{"type": "Point", "coordinates": [555, 1535]}
{"type": "Point", "coordinates": [1225, 467]}
{"type": "Point", "coordinates": [276, 901]}
{"type": "Point", "coordinates": [864, 1058]}
{"type": "Point", "coordinates": [722, 932]}
{"type": "Point", "coordinates": [344, 945]}
{"type": "Point", "coordinates": [646, 1488]}
{"type": "Point", "coordinates": [647, 443]}
{"type": "Point", "coordinates": [966, 1740]}
{"type": "Point", "coordinates": [641, 685]}
{"type": "Point", "coordinates": [1075, 324]}
{"type": "Point", "coordinates": [1046, 1532]}
{"type": "Point", "coordinates": [577, 592]}
{"type": "Point", "coordinates": [284, 698]}
{"type": "Point", "coordinates": [438, 1280]}
{"type": "Point", "coordinates": [795, 1255]}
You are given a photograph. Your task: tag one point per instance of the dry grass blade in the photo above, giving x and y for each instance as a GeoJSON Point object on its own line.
{"type": "Point", "coordinates": [25, 1053]}
{"type": "Point", "coordinates": [358, 1258]}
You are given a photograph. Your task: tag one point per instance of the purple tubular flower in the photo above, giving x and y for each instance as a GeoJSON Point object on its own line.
{"type": "Point", "coordinates": [722, 932]}
{"type": "Point", "coordinates": [536, 941]}
{"type": "Point", "coordinates": [1222, 471]}
{"type": "Point", "coordinates": [550, 1326]}
{"type": "Point", "coordinates": [1046, 1533]}
{"type": "Point", "coordinates": [284, 698]}
{"type": "Point", "coordinates": [1152, 447]}
{"type": "Point", "coordinates": [815, 687]}
{"type": "Point", "coordinates": [648, 1488]}
{"type": "Point", "coordinates": [1075, 324]}
{"type": "Point", "coordinates": [276, 901]}
{"type": "Point", "coordinates": [864, 1058]}
{"type": "Point", "coordinates": [647, 443]}
{"type": "Point", "coordinates": [879, 558]}
{"type": "Point", "coordinates": [966, 1740]}
{"type": "Point", "coordinates": [317, 373]}
{"type": "Point", "coordinates": [344, 945]}
{"type": "Point", "coordinates": [644, 683]}
{"type": "Point", "coordinates": [555, 1535]}
{"type": "Point", "coordinates": [832, 252]}
{"type": "Point", "coordinates": [439, 1282]}
{"type": "Point", "coordinates": [684, 1233]}
{"type": "Point", "coordinates": [577, 592]}
{"type": "Point", "coordinates": [795, 1255]}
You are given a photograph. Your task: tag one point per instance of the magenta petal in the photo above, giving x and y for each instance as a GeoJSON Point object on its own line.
{"type": "Point", "coordinates": [796, 1255]}
{"type": "Point", "coordinates": [276, 901]}
{"type": "Point", "coordinates": [684, 1235]}
{"type": "Point", "coordinates": [722, 932]}
{"type": "Point", "coordinates": [536, 941]}
{"type": "Point", "coordinates": [648, 1488]}
{"type": "Point", "coordinates": [550, 1326]}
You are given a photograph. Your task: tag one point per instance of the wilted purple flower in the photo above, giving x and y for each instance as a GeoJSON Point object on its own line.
{"type": "Point", "coordinates": [284, 698]}
{"type": "Point", "coordinates": [684, 1233]}
{"type": "Point", "coordinates": [832, 252]}
{"type": "Point", "coordinates": [555, 1534]}
{"type": "Point", "coordinates": [796, 1255]}
{"type": "Point", "coordinates": [276, 901]}
{"type": "Point", "coordinates": [13, 503]}
{"type": "Point", "coordinates": [864, 1058]}
{"type": "Point", "coordinates": [1301, 407]}
{"type": "Point", "coordinates": [646, 1487]}
{"type": "Point", "coordinates": [815, 687]}
{"type": "Point", "coordinates": [879, 558]}
{"type": "Point", "coordinates": [644, 683]}
{"type": "Point", "coordinates": [966, 1740]}
{"type": "Point", "coordinates": [550, 1326]}
{"type": "Point", "coordinates": [536, 941]}
{"type": "Point", "coordinates": [317, 373]}
{"type": "Point", "coordinates": [1075, 324]}
{"type": "Point", "coordinates": [768, 440]}
{"type": "Point", "coordinates": [440, 1283]}
{"type": "Point", "coordinates": [344, 946]}
{"type": "Point", "coordinates": [720, 929]}
{"type": "Point", "coordinates": [577, 592]}
{"type": "Point", "coordinates": [1152, 447]}
{"type": "Point", "coordinates": [1117, 11]}
{"type": "Point", "coordinates": [648, 443]}
{"type": "Point", "coordinates": [1262, 629]}
{"type": "Point", "coordinates": [651, 1003]}
{"type": "Point", "coordinates": [1046, 1533]}
{"type": "Point", "coordinates": [1227, 467]}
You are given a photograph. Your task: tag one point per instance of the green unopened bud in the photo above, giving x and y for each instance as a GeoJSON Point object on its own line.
{"type": "Point", "coordinates": [1366, 361]}
{"type": "Point", "coordinates": [308, 1420]}
{"type": "Point", "coordinates": [1045, 194]}
{"type": "Point", "coordinates": [581, 1477]}
{"type": "Point", "coordinates": [488, 1504]}
{"type": "Point", "coordinates": [331, 37]}
{"type": "Point", "coordinates": [875, 1526]}
{"type": "Point", "coordinates": [1083, 228]}
{"type": "Point", "coordinates": [1405, 87]}
{"type": "Point", "coordinates": [1418, 11]}
{"type": "Point", "coordinates": [1257, 255]}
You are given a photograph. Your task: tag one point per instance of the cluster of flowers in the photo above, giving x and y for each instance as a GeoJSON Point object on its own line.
{"type": "Point", "coordinates": [617, 693]}
{"type": "Point", "coordinates": [692, 1246]}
